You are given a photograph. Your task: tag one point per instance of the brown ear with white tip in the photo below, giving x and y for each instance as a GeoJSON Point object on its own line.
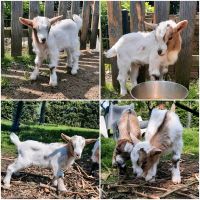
{"type": "Point", "coordinates": [26, 22]}
{"type": "Point", "coordinates": [89, 141]}
{"type": "Point", "coordinates": [55, 19]}
{"type": "Point", "coordinates": [181, 25]}
{"type": "Point", "coordinates": [65, 137]}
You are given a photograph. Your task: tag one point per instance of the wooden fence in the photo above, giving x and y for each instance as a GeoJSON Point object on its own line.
{"type": "Point", "coordinates": [120, 23]}
{"type": "Point", "coordinates": [89, 11]}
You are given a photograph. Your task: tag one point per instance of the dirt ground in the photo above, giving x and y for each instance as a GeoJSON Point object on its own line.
{"type": "Point", "coordinates": [34, 182]}
{"type": "Point", "coordinates": [129, 187]}
{"type": "Point", "coordinates": [84, 85]}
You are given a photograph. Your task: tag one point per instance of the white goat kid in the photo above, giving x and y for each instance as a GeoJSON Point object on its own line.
{"type": "Point", "coordinates": [164, 133]}
{"type": "Point", "coordinates": [49, 40]}
{"type": "Point", "coordinates": [136, 49]}
{"type": "Point", "coordinates": [56, 156]}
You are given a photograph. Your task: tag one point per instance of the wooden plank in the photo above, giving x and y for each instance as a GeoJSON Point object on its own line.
{"type": "Point", "coordinates": [86, 23]}
{"type": "Point", "coordinates": [49, 9]}
{"type": "Point", "coordinates": [115, 32]}
{"type": "Point", "coordinates": [184, 63]}
{"type": "Point", "coordinates": [75, 7]}
{"type": "Point", "coordinates": [2, 30]}
{"type": "Point", "coordinates": [102, 65]}
{"type": "Point", "coordinates": [94, 26]}
{"type": "Point", "coordinates": [16, 27]}
{"type": "Point", "coordinates": [161, 11]}
{"type": "Point", "coordinates": [34, 11]}
{"type": "Point", "coordinates": [137, 15]}
{"type": "Point", "coordinates": [62, 9]}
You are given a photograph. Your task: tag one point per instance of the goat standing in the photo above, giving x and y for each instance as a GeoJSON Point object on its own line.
{"type": "Point", "coordinates": [54, 155]}
{"type": "Point", "coordinates": [49, 39]}
{"type": "Point", "coordinates": [158, 48]}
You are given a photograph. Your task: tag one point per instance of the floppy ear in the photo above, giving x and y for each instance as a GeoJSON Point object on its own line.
{"type": "Point", "coordinates": [155, 151]}
{"type": "Point", "coordinates": [65, 137]}
{"type": "Point", "coordinates": [55, 19]}
{"type": "Point", "coordinates": [181, 25]}
{"type": "Point", "coordinates": [150, 25]}
{"type": "Point", "coordinates": [89, 141]}
{"type": "Point", "coordinates": [26, 22]}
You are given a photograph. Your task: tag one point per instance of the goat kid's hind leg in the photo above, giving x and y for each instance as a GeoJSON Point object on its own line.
{"type": "Point", "coordinates": [75, 58]}
{"type": "Point", "coordinates": [122, 76]}
{"type": "Point", "coordinates": [38, 63]}
{"type": "Point", "coordinates": [134, 74]}
{"type": "Point", "coordinates": [176, 177]}
{"type": "Point", "coordinates": [12, 168]}
{"type": "Point", "coordinates": [69, 59]}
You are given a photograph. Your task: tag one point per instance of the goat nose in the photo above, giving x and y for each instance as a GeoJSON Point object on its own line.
{"type": "Point", "coordinates": [77, 155]}
{"type": "Point", "coordinates": [43, 40]}
{"type": "Point", "coordinates": [159, 51]}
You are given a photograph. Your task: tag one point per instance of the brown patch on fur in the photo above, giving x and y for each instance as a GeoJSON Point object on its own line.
{"type": "Point", "coordinates": [70, 149]}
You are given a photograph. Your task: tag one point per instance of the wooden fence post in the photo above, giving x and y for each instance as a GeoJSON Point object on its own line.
{"type": "Point", "coordinates": [184, 63]}
{"type": "Point", "coordinates": [16, 28]}
{"type": "Point", "coordinates": [62, 9]}
{"type": "Point", "coordinates": [161, 11]}
{"type": "Point", "coordinates": [49, 9]}
{"type": "Point", "coordinates": [34, 11]}
{"type": "Point", "coordinates": [115, 32]}
{"type": "Point", "coordinates": [137, 15]}
{"type": "Point", "coordinates": [102, 63]}
{"type": "Point", "coordinates": [86, 23]}
{"type": "Point", "coordinates": [75, 7]}
{"type": "Point", "coordinates": [2, 30]}
{"type": "Point", "coordinates": [94, 26]}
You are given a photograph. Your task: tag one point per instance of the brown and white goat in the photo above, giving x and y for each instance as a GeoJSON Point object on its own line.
{"type": "Point", "coordinates": [50, 38]}
{"type": "Point", "coordinates": [57, 156]}
{"type": "Point", "coordinates": [129, 135]}
{"type": "Point", "coordinates": [164, 133]}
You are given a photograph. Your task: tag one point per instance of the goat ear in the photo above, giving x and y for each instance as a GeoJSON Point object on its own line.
{"type": "Point", "coordinates": [89, 141]}
{"type": "Point", "coordinates": [150, 25]}
{"type": "Point", "coordinates": [55, 19]}
{"type": "Point", "coordinates": [65, 137]}
{"type": "Point", "coordinates": [181, 25]}
{"type": "Point", "coordinates": [26, 22]}
{"type": "Point", "coordinates": [155, 151]}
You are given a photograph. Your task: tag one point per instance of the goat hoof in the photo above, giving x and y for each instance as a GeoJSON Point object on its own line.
{"type": "Point", "coordinates": [176, 179]}
{"type": "Point", "coordinates": [53, 84]}
{"type": "Point", "coordinates": [6, 186]}
{"type": "Point", "coordinates": [124, 93]}
{"type": "Point", "coordinates": [74, 72]}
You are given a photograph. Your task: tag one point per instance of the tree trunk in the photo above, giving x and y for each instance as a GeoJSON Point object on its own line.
{"type": "Point", "coordinates": [115, 32]}
{"type": "Point", "coordinates": [42, 112]}
{"type": "Point", "coordinates": [184, 63]}
{"type": "Point", "coordinates": [17, 115]}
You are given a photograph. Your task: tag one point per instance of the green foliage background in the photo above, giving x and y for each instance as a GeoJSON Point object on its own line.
{"type": "Point", "coordinates": [71, 113]}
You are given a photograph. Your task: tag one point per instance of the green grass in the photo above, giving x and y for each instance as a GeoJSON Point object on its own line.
{"type": "Point", "coordinates": [26, 60]}
{"type": "Point", "coordinates": [190, 149]}
{"type": "Point", "coordinates": [108, 92]}
{"type": "Point", "coordinates": [5, 82]}
{"type": "Point", "coordinates": [44, 133]}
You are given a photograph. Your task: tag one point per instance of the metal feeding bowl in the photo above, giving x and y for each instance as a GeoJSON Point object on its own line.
{"type": "Point", "coordinates": [159, 90]}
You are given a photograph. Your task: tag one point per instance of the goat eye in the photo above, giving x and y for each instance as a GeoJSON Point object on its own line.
{"type": "Point", "coordinates": [170, 38]}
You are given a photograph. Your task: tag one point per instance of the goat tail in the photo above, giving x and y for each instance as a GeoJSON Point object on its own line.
{"type": "Point", "coordinates": [111, 52]}
{"type": "Point", "coordinates": [15, 139]}
{"type": "Point", "coordinates": [78, 20]}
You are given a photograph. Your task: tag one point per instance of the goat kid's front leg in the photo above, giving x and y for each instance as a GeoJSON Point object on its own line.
{"type": "Point", "coordinates": [154, 69]}
{"type": "Point", "coordinates": [38, 63]}
{"type": "Point", "coordinates": [69, 58]}
{"type": "Point", "coordinates": [134, 74]}
{"type": "Point", "coordinates": [176, 177]}
{"type": "Point", "coordinates": [52, 66]}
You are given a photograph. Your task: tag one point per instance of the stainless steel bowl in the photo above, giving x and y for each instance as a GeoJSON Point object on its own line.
{"type": "Point", "coordinates": [159, 90]}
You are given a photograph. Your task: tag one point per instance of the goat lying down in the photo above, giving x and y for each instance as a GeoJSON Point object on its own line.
{"type": "Point", "coordinates": [164, 133]}
{"type": "Point", "coordinates": [129, 135]}
{"type": "Point", "coordinates": [57, 156]}
{"type": "Point", "coordinates": [158, 48]}
{"type": "Point", "coordinates": [49, 39]}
